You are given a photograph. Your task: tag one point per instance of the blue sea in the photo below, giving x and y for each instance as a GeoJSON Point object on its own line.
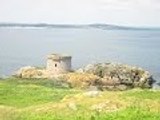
{"type": "Point", "coordinates": [20, 47]}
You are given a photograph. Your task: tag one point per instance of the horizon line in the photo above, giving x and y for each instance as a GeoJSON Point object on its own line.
{"type": "Point", "coordinates": [79, 24]}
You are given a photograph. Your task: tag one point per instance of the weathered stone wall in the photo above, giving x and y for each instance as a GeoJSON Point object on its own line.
{"type": "Point", "coordinates": [58, 66]}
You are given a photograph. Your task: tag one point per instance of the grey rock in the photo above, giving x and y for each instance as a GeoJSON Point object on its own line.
{"type": "Point", "coordinates": [92, 93]}
{"type": "Point", "coordinates": [72, 106]}
{"type": "Point", "coordinates": [119, 76]}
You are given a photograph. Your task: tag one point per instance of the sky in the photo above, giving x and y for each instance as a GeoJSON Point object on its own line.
{"type": "Point", "coordinates": [118, 12]}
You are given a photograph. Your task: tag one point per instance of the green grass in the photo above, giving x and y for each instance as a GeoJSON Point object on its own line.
{"type": "Point", "coordinates": [23, 93]}
{"type": "Point", "coordinates": [42, 99]}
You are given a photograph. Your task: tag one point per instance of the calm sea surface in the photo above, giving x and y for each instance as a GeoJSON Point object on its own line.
{"type": "Point", "coordinates": [21, 47]}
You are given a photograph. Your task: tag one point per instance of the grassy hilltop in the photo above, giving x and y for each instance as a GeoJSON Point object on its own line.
{"type": "Point", "coordinates": [46, 100]}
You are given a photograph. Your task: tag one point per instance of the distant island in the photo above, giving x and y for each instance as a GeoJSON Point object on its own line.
{"type": "Point", "coordinates": [97, 26]}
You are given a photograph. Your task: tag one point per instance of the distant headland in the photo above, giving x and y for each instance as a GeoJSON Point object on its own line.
{"type": "Point", "coordinates": [78, 26]}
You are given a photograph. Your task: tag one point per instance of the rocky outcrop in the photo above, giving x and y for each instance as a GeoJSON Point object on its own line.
{"type": "Point", "coordinates": [80, 80]}
{"type": "Point", "coordinates": [31, 72]}
{"type": "Point", "coordinates": [103, 76]}
{"type": "Point", "coordinates": [119, 76]}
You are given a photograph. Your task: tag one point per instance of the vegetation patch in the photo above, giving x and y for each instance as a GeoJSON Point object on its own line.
{"type": "Point", "coordinates": [43, 99]}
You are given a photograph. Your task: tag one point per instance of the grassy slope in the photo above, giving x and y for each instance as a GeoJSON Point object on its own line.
{"type": "Point", "coordinates": [42, 100]}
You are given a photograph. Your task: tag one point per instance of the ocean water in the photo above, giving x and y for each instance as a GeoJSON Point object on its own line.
{"type": "Point", "coordinates": [20, 47]}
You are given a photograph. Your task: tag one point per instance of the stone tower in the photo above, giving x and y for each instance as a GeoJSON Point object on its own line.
{"type": "Point", "coordinates": [58, 64]}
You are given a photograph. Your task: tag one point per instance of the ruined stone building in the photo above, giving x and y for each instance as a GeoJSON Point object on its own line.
{"type": "Point", "coordinates": [58, 64]}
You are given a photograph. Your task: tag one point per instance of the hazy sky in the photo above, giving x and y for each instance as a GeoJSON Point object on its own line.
{"type": "Point", "coordinates": [120, 12]}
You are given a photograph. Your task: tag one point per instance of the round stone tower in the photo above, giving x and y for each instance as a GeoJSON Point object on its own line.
{"type": "Point", "coordinates": [58, 64]}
